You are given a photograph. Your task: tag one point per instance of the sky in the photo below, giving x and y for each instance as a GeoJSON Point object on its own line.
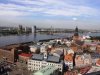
{"type": "Point", "coordinates": [46, 13]}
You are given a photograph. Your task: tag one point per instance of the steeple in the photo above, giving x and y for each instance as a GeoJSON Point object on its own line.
{"type": "Point", "coordinates": [76, 31]}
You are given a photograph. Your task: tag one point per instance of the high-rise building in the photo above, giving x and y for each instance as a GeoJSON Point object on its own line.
{"type": "Point", "coordinates": [33, 29]}
{"type": "Point", "coordinates": [25, 29]}
{"type": "Point", "coordinates": [20, 29]}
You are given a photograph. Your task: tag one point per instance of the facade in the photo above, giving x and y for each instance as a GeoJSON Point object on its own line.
{"type": "Point", "coordinates": [98, 48]}
{"type": "Point", "coordinates": [68, 43]}
{"type": "Point", "coordinates": [83, 60]}
{"type": "Point", "coordinates": [95, 57]}
{"type": "Point", "coordinates": [9, 55]}
{"type": "Point", "coordinates": [43, 48]}
{"type": "Point", "coordinates": [35, 65]}
{"type": "Point", "coordinates": [33, 29]}
{"type": "Point", "coordinates": [93, 48]}
{"type": "Point", "coordinates": [24, 57]}
{"type": "Point", "coordinates": [34, 48]}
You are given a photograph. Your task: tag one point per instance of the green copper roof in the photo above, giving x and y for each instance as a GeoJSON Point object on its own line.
{"type": "Point", "coordinates": [46, 71]}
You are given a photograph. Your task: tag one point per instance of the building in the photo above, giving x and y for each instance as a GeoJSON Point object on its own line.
{"type": "Point", "coordinates": [39, 61]}
{"type": "Point", "coordinates": [43, 48]}
{"type": "Point", "coordinates": [68, 43]}
{"type": "Point", "coordinates": [76, 35]}
{"type": "Point", "coordinates": [5, 67]}
{"type": "Point", "coordinates": [93, 73]}
{"type": "Point", "coordinates": [70, 51]}
{"type": "Point", "coordinates": [23, 57]}
{"type": "Point", "coordinates": [98, 48]}
{"type": "Point", "coordinates": [48, 70]}
{"type": "Point", "coordinates": [69, 60]}
{"type": "Point", "coordinates": [84, 70]}
{"type": "Point", "coordinates": [58, 53]}
{"type": "Point", "coordinates": [9, 53]}
{"type": "Point", "coordinates": [98, 62]}
{"type": "Point", "coordinates": [33, 29]}
{"type": "Point", "coordinates": [35, 48]}
{"type": "Point", "coordinates": [76, 31]}
{"type": "Point", "coordinates": [20, 29]}
{"type": "Point", "coordinates": [95, 57]}
{"type": "Point", "coordinates": [75, 72]}
{"type": "Point", "coordinates": [83, 60]}
{"type": "Point", "coordinates": [94, 70]}
{"type": "Point", "coordinates": [74, 47]}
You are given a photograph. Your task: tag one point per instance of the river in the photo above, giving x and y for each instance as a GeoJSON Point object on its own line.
{"type": "Point", "coordinates": [14, 39]}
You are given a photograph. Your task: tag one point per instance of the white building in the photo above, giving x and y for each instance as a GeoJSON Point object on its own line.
{"type": "Point", "coordinates": [43, 48]}
{"type": "Point", "coordinates": [68, 43]}
{"type": "Point", "coordinates": [34, 48]}
{"type": "Point", "coordinates": [87, 59]}
{"type": "Point", "coordinates": [39, 61]}
{"type": "Point", "coordinates": [32, 29]}
{"type": "Point", "coordinates": [35, 65]}
{"type": "Point", "coordinates": [70, 64]}
{"type": "Point", "coordinates": [93, 48]}
{"type": "Point", "coordinates": [70, 51]}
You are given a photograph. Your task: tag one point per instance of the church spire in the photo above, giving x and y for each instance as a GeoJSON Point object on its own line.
{"type": "Point", "coordinates": [76, 31]}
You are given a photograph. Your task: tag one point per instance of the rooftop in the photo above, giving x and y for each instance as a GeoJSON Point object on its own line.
{"type": "Point", "coordinates": [69, 57]}
{"type": "Point", "coordinates": [37, 57]}
{"type": "Point", "coordinates": [53, 59]}
{"type": "Point", "coordinates": [26, 55]}
{"type": "Point", "coordinates": [94, 73]}
{"type": "Point", "coordinates": [50, 58]}
{"type": "Point", "coordinates": [46, 71]}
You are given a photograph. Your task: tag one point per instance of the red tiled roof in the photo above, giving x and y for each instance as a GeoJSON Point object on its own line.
{"type": "Point", "coordinates": [71, 73]}
{"type": "Point", "coordinates": [69, 57]}
{"type": "Point", "coordinates": [98, 62]}
{"type": "Point", "coordinates": [26, 55]}
{"type": "Point", "coordinates": [85, 70]}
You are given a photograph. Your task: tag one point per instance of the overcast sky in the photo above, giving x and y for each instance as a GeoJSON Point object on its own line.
{"type": "Point", "coordinates": [46, 13]}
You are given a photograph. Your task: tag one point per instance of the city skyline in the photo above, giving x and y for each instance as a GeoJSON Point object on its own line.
{"type": "Point", "coordinates": [46, 13]}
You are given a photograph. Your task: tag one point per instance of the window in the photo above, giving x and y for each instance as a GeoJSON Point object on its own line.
{"type": "Point", "coordinates": [29, 63]}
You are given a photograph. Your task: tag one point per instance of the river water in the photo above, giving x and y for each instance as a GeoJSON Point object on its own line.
{"type": "Point", "coordinates": [13, 39]}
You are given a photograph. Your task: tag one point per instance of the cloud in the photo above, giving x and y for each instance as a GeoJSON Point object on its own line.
{"type": "Point", "coordinates": [46, 7]}
{"type": "Point", "coordinates": [17, 10]}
